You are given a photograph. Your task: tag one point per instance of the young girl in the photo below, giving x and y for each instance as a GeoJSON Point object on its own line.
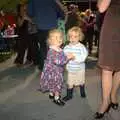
{"type": "Point", "coordinates": [76, 66]}
{"type": "Point", "coordinates": [52, 75]}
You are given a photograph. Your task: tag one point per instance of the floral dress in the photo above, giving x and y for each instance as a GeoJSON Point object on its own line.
{"type": "Point", "coordinates": [52, 75]}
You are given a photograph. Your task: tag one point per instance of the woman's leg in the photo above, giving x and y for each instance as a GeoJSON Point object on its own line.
{"type": "Point", "coordinates": [116, 85]}
{"type": "Point", "coordinates": [106, 89]}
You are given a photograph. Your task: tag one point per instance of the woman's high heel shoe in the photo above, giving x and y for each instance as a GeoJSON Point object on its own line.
{"type": "Point", "coordinates": [101, 115]}
{"type": "Point", "coordinates": [114, 105]}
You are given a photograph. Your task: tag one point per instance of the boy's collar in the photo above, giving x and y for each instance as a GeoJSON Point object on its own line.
{"type": "Point", "coordinates": [74, 44]}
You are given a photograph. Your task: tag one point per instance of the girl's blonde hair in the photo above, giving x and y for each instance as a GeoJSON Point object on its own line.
{"type": "Point", "coordinates": [52, 32]}
{"type": "Point", "coordinates": [78, 30]}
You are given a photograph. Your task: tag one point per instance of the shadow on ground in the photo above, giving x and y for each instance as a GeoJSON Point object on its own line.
{"type": "Point", "coordinates": [13, 76]}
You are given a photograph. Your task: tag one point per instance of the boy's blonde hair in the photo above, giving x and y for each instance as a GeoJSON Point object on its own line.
{"type": "Point", "coordinates": [51, 32]}
{"type": "Point", "coordinates": [76, 29]}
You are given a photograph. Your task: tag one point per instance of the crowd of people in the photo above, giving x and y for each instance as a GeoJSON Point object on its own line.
{"type": "Point", "coordinates": [40, 36]}
{"type": "Point", "coordinates": [34, 24]}
{"type": "Point", "coordinates": [33, 27]}
{"type": "Point", "coordinates": [37, 27]}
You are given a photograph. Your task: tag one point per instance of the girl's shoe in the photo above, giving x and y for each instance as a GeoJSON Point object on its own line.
{"type": "Point", "coordinates": [114, 105]}
{"type": "Point", "coordinates": [59, 102]}
{"type": "Point", "coordinates": [101, 115]}
{"type": "Point", "coordinates": [51, 96]}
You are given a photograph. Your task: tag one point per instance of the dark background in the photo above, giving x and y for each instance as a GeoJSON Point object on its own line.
{"type": "Point", "coordinates": [83, 4]}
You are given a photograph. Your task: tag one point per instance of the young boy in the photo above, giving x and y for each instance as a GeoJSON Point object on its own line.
{"type": "Point", "coordinates": [76, 66]}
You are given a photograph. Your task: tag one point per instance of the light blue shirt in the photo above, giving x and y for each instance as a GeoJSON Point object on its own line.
{"type": "Point", "coordinates": [80, 53]}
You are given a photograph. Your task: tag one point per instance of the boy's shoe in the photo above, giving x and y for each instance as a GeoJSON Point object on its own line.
{"type": "Point", "coordinates": [59, 102]}
{"type": "Point", "coordinates": [82, 91]}
{"type": "Point", "coordinates": [69, 95]}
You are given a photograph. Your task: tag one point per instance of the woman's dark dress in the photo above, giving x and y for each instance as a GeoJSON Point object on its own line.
{"type": "Point", "coordinates": [109, 50]}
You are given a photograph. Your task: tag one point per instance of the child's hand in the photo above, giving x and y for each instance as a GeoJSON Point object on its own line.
{"type": "Point", "coordinates": [70, 56]}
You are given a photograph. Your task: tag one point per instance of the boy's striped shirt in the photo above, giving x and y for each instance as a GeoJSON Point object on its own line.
{"type": "Point", "coordinates": [80, 53]}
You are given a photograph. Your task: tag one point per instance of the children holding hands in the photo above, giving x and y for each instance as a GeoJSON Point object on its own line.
{"type": "Point", "coordinates": [73, 56]}
{"type": "Point", "coordinates": [52, 74]}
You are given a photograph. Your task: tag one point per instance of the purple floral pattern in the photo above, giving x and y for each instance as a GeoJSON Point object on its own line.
{"type": "Point", "coordinates": [52, 75]}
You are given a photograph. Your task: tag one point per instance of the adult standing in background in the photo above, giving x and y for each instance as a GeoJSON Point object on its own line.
{"type": "Point", "coordinates": [109, 58]}
{"type": "Point", "coordinates": [45, 14]}
{"type": "Point", "coordinates": [98, 24]}
{"type": "Point", "coordinates": [23, 42]}
{"type": "Point", "coordinates": [90, 21]}
{"type": "Point", "coordinates": [72, 17]}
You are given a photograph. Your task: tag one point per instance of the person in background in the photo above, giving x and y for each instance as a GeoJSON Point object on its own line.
{"type": "Point", "coordinates": [45, 14]}
{"type": "Point", "coordinates": [90, 21]}
{"type": "Point", "coordinates": [22, 31]}
{"type": "Point", "coordinates": [98, 24]}
{"type": "Point", "coordinates": [72, 17]}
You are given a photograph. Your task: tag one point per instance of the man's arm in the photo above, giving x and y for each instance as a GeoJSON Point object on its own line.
{"type": "Point", "coordinates": [61, 5]}
{"type": "Point", "coordinates": [103, 5]}
{"type": "Point", "coordinates": [63, 8]}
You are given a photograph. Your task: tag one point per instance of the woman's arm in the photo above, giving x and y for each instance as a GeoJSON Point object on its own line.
{"type": "Point", "coordinates": [63, 8]}
{"type": "Point", "coordinates": [103, 5]}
